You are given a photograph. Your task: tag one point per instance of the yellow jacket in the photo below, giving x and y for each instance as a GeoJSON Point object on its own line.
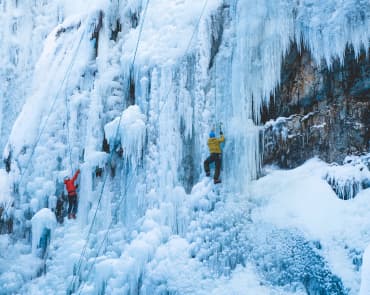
{"type": "Point", "coordinates": [214, 144]}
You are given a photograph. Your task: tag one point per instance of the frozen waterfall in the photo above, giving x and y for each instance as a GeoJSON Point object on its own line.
{"type": "Point", "coordinates": [150, 79]}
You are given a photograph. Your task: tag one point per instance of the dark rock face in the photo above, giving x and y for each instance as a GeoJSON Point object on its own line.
{"type": "Point", "coordinates": [318, 111]}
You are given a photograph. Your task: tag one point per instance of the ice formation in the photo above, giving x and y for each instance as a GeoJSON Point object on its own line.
{"type": "Point", "coordinates": [148, 222]}
{"type": "Point", "coordinates": [130, 130]}
{"type": "Point", "coordinates": [348, 180]}
{"type": "Point", "coordinates": [41, 221]}
{"type": "Point", "coordinates": [365, 283]}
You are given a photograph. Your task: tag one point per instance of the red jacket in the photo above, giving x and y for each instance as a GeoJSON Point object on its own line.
{"type": "Point", "coordinates": [70, 185]}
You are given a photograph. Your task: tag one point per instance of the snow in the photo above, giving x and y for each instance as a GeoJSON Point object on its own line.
{"type": "Point", "coordinates": [318, 204]}
{"type": "Point", "coordinates": [151, 223]}
{"type": "Point", "coordinates": [245, 279]}
{"type": "Point", "coordinates": [302, 199]}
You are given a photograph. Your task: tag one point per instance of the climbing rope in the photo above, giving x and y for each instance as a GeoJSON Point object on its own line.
{"type": "Point", "coordinates": [215, 81]}
{"type": "Point", "coordinates": [109, 227]}
{"type": "Point", "coordinates": [111, 153]}
{"type": "Point", "coordinates": [68, 112]}
{"type": "Point", "coordinates": [217, 123]}
{"type": "Point", "coordinates": [79, 264]}
{"type": "Point", "coordinates": [69, 69]}
{"type": "Point", "coordinates": [187, 49]}
{"type": "Point", "coordinates": [49, 113]}
{"type": "Point", "coordinates": [140, 31]}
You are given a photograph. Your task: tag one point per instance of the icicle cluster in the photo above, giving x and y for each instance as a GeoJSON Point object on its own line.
{"type": "Point", "coordinates": [73, 68]}
{"type": "Point", "coordinates": [349, 179]}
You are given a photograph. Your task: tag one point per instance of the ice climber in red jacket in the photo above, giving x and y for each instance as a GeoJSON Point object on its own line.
{"type": "Point", "coordinates": [72, 194]}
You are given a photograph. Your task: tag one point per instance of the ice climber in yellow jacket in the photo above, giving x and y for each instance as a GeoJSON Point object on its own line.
{"type": "Point", "coordinates": [215, 155]}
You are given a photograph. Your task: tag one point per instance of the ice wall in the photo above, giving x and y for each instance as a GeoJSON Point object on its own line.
{"type": "Point", "coordinates": [24, 27]}
{"type": "Point", "coordinates": [195, 65]}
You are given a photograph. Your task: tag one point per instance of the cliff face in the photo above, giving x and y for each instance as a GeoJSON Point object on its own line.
{"type": "Point", "coordinates": [318, 111]}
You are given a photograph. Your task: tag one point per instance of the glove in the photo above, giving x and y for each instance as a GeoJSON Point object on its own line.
{"type": "Point", "coordinates": [78, 171]}
{"type": "Point", "coordinates": [221, 133]}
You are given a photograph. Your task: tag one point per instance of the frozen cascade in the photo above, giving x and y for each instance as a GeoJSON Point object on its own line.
{"type": "Point", "coordinates": [129, 129]}
{"type": "Point", "coordinates": [43, 221]}
{"type": "Point", "coordinates": [24, 29]}
{"type": "Point", "coordinates": [348, 180]}
{"type": "Point", "coordinates": [158, 220]}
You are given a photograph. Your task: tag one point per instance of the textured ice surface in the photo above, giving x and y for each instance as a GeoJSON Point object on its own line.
{"type": "Point", "coordinates": [160, 227]}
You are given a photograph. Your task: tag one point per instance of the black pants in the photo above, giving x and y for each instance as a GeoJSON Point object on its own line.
{"type": "Point", "coordinates": [72, 202]}
{"type": "Point", "coordinates": [217, 158]}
